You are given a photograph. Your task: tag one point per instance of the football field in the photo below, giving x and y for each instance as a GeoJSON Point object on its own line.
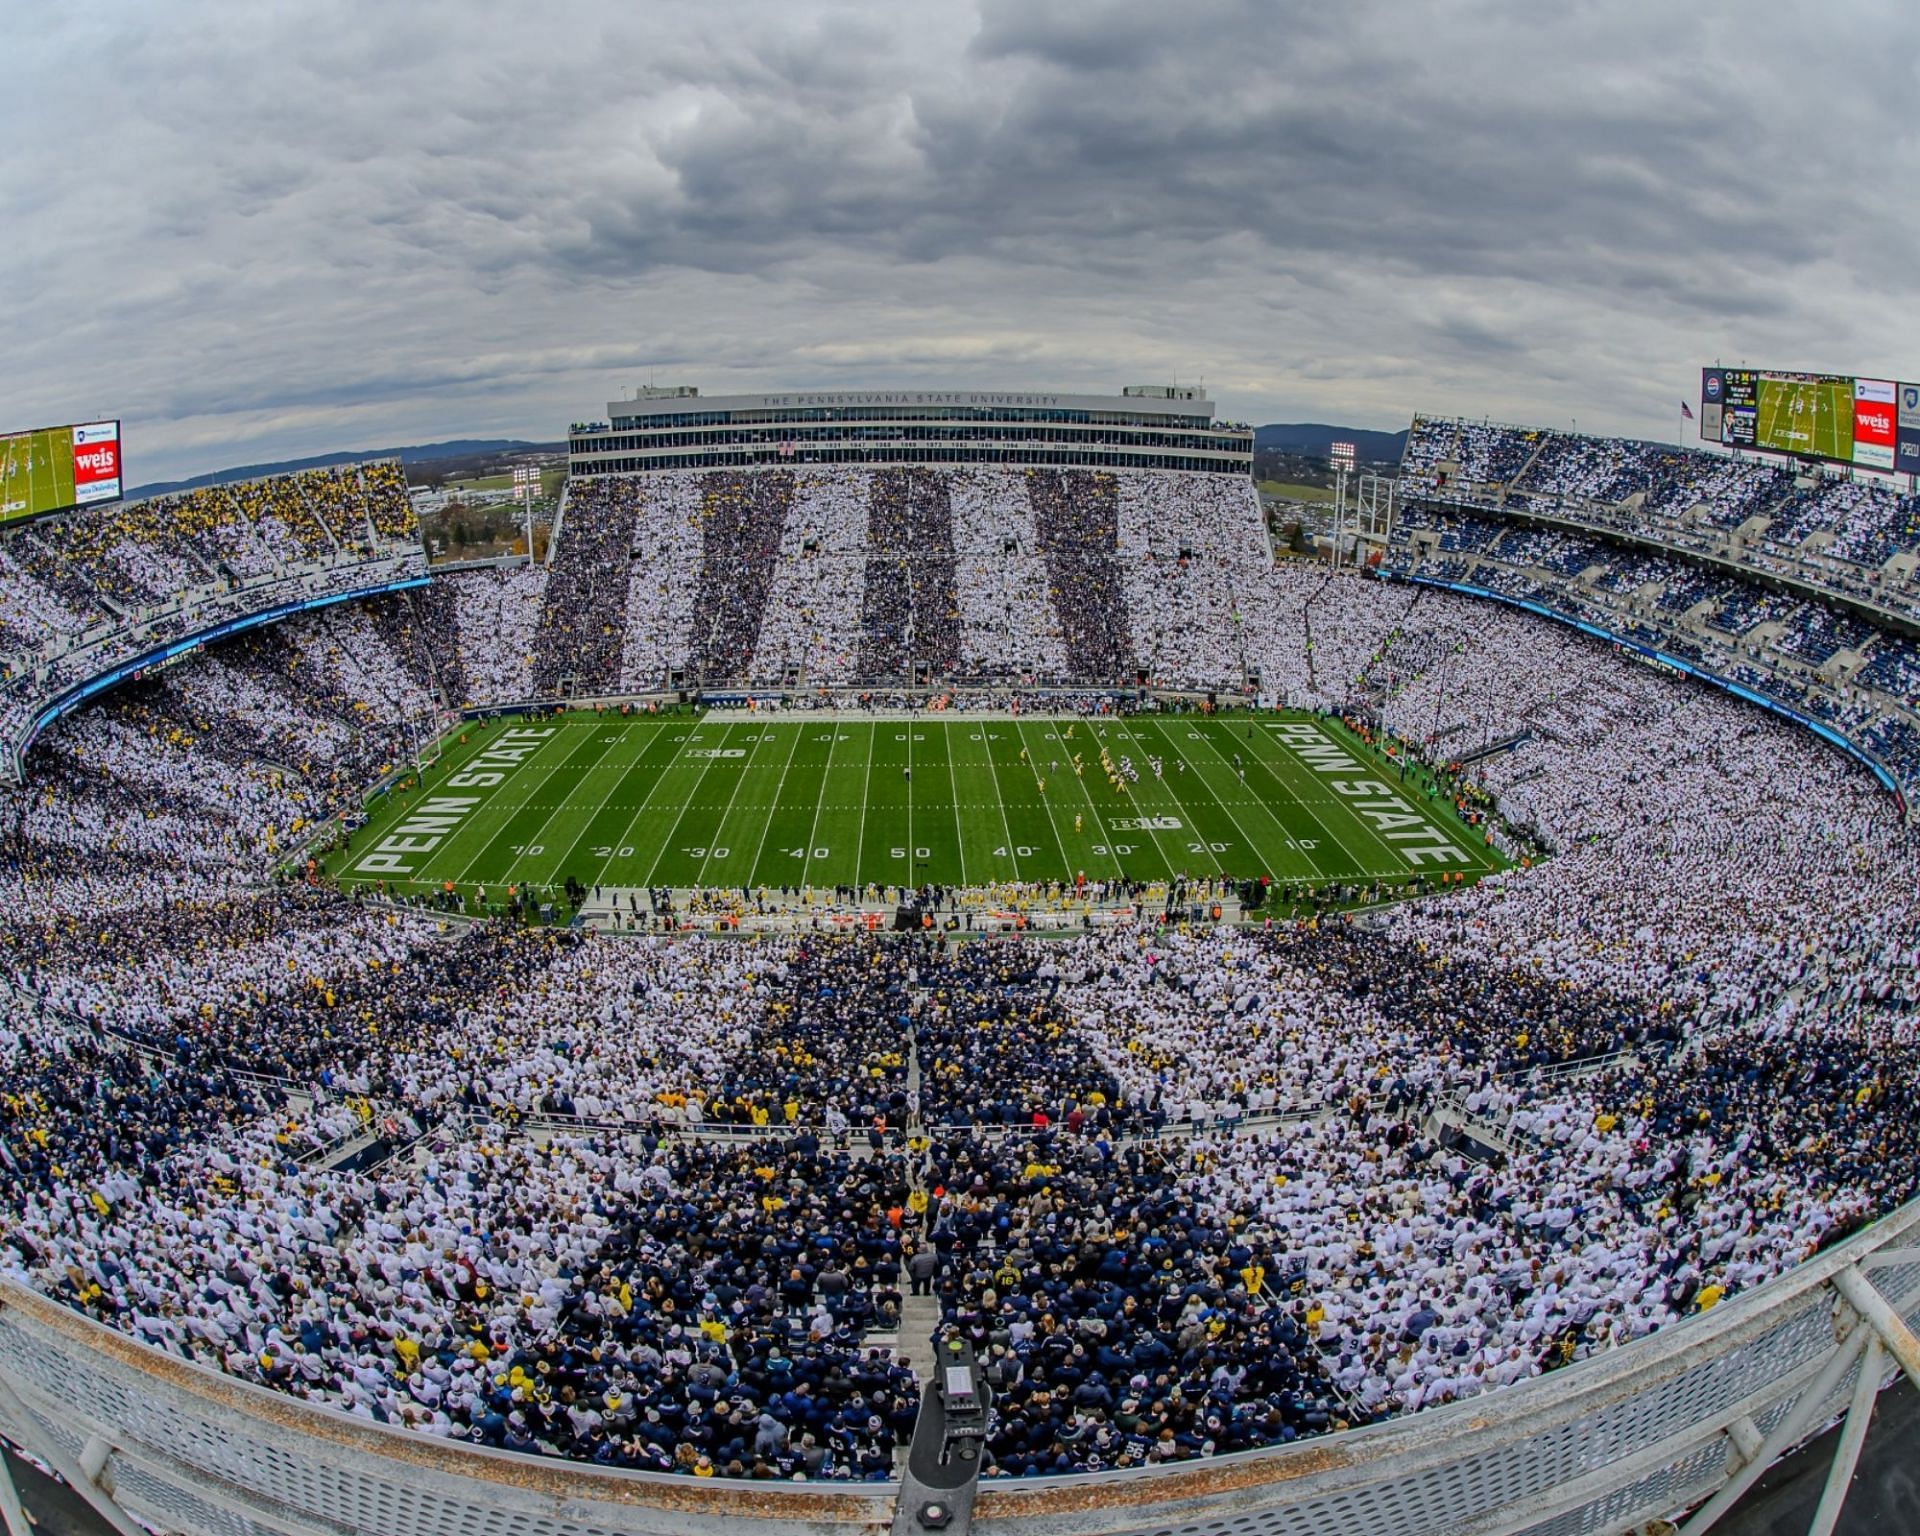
{"type": "Point", "coordinates": [34, 475]}
{"type": "Point", "coordinates": [795, 800]}
{"type": "Point", "coordinates": [1808, 416]}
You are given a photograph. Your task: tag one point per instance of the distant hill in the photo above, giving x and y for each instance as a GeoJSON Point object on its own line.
{"type": "Point", "coordinates": [1315, 440]}
{"type": "Point", "coordinates": [420, 453]}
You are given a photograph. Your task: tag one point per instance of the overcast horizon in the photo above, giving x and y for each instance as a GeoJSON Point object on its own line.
{"type": "Point", "coordinates": [262, 234]}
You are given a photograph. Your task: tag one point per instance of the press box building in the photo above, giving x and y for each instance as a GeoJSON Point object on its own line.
{"type": "Point", "coordinates": [1142, 427]}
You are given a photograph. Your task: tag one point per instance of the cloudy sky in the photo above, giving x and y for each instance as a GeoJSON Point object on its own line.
{"type": "Point", "coordinates": [257, 231]}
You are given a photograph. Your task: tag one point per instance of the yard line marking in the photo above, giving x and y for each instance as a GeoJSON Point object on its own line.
{"type": "Point", "coordinates": [1000, 799]}
{"type": "Point", "coordinates": [778, 794]}
{"type": "Point", "coordinates": [834, 738]}
{"type": "Point", "coordinates": [674, 830]}
{"type": "Point", "coordinates": [648, 797]}
{"type": "Point", "coordinates": [514, 808]}
{"type": "Point", "coordinates": [953, 782]}
{"type": "Point", "coordinates": [1175, 867]}
{"type": "Point", "coordinates": [1294, 799]}
{"type": "Point", "coordinates": [866, 794]}
{"type": "Point", "coordinates": [1253, 847]}
{"type": "Point", "coordinates": [1052, 820]}
{"type": "Point", "coordinates": [626, 734]}
{"type": "Point", "coordinates": [565, 804]}
{"type": "Point", "coordinates": [713, 840]}
{"type": "Point", "coordinates": [720, 826]}
{"type": "Point", "coordinates": [1085, 794]}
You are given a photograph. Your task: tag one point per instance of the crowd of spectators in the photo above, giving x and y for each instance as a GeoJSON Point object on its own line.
{"type": "Point", "coordinates": [1779, 644]}
{"type": "Point", "coordinates": [824, 576]}
{"type": "Point", "coordinates": [1009, 626]}
{"type": "Point", "coordinates": [580, 635]}
{"type": "Point", "coordinates": [742, 518]}
{"type": "Point", "coordinates": [1138, 1297]}
{"type": "Point", "coordinates": [1812, 525]}
{"type": "Point", "coordinates": [654, 1203]}
{"type": "Point", "coordinates": [345, 646]}
{"type": "Point", "coordinates": [909, 609]}
{"type": "Point", "coordinates": [664, 583]}
{"type": "Point", "coordinates": [92, 589]}
{"type": "Point", "coordinates": [421, 628]}
{"type": "Point", "coordinates": [1191, 558]}
{"type": "Point", "coordinates": [1076, 516]}
{"type": "Point", "coordinates": [812, 629]}
{"type": "Point", "coordinates": [496, 616]}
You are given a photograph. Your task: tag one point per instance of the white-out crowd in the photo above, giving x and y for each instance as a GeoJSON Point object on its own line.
{"type": "Point", "coordinates": [655, 1203]}
{"type": "Point", "coordinates": [822, 576]}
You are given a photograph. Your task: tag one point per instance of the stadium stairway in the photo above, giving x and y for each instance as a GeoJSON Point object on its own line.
{"type": "Point", "coordinates": [919, 1315]}
{"type": "Point", "coordinates": [559, 521]}
{"type": "Point", "coordinates": [1539, 447]}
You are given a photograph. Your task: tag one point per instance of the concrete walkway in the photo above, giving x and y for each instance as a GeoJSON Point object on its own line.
{"type": "Point", "coordinates": [919, 1316]}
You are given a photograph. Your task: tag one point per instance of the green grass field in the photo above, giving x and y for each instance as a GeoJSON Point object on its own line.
{"type": "Point", "coordinates": [787, 800]}
{"type": "Point", "coordinates": [480, 483]}
{"type": "Point", "coordinates": [1288, 490]}
{"type": "Point", "coordinates": [36, 472]}
{"type": "Point", "coordinates": [1806, 417]}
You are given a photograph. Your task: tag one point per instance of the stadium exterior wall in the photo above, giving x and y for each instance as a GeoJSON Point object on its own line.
{"type": "Point", "coordinates": [1593, 1449]}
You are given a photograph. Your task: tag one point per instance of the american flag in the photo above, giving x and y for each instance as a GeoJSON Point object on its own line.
{"type": "Point", "coordinates": [1686, 410]}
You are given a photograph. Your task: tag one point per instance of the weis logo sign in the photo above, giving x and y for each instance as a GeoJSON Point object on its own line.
{"type": "Point", "coordinates": [97, 463]}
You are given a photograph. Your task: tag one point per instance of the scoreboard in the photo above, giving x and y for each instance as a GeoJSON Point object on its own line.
{"type": "Point", "coordinates": [1906, 426]}
{"type": "Point", "coordinates": [54, 469]}
{"type": "Point", "coordinates": [1830, 417]}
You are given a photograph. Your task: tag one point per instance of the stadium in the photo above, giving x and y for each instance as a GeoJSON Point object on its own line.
{"type": "Point", "coordinates": [915, 939]}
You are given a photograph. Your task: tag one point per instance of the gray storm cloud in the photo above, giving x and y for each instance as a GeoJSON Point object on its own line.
{"type": "Point", "coordinates": [262, 231]}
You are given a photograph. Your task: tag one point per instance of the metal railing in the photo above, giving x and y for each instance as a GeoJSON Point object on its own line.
{"type": "Point", "coordinates": [1692, 1413]}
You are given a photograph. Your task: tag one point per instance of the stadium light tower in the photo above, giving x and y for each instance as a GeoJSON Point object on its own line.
{"type": "Point", "coordinates": [1365, 520]}
{"type": "Point", "coordinates": [526, 486]}
{"type": "Point", "coordinates": [1343, 458]}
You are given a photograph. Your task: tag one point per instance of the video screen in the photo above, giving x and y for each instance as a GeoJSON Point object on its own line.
{"type": "Point", "coordinates": [53, 469]}
{"type": "Point", "coordinates": [1868, 423]}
